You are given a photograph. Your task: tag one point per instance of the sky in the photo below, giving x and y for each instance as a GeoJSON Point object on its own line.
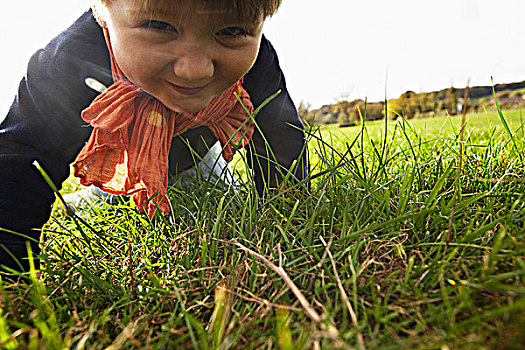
{"type": "Point", "coordinates": [335, 49]}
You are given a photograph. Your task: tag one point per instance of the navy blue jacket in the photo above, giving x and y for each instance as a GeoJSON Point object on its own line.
{"type": "Point", "coordinates": [44, 124]}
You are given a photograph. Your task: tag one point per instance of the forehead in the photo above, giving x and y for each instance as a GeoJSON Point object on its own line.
{"type": "Point", "coordinates": [227, 10]}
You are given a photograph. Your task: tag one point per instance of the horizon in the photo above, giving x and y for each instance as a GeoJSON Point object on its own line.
{"type": "Point", "coordinates": [424, 92]}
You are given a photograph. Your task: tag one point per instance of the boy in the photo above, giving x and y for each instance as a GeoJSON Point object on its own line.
{"type": "Point", "coordinates": [182, 55]}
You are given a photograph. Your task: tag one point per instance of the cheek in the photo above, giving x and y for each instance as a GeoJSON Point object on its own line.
{"type": "Point", "coordinates": [137, 63]}
{"type": "Point", "coordinates": [250, 58]}
{"type": "Point", "coordinates": [238, 65]}
{"type": "Point", "coordinates": [131, 65]}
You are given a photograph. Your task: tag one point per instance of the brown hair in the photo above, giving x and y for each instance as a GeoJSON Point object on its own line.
{"type": "Point", "coordinates": [247, 10]}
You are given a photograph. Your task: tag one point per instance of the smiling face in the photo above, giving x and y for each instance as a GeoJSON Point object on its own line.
{"type": "Point", "coordinates": [184, 55]}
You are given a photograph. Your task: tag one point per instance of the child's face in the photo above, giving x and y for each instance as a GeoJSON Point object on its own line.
{"type": "Point", "coordinates": [183, 56]}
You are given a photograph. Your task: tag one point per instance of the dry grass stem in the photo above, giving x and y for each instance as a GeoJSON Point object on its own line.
{"type": "Point", "coordinates": [344, 295]}
{"type": "Point", "coordinates": [333, 333]}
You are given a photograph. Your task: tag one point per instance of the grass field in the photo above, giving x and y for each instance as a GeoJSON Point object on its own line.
{"type": "Point", "coordinates": [403, 238]}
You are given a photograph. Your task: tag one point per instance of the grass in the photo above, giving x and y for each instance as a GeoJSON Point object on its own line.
{"type": "Point", "coordinates": [363, 258]}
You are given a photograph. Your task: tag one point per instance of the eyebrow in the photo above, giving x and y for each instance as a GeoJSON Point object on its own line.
{"type": "Point", "coordinates": [167, 10]}
{"type": "Point", "coordinates": [142, 12]}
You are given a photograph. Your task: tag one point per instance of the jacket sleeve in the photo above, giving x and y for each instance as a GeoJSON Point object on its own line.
{"type": "Point", "coordinates": [278, 139]}
{"type": "Point", "coordinates": [44, 124]}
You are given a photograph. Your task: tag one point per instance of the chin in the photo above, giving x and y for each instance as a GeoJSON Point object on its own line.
{"type": "Point", "coordinates": [188, 107]}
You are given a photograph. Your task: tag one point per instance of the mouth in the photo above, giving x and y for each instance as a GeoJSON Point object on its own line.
{"type": "Point", "coordinates": [188, 91]}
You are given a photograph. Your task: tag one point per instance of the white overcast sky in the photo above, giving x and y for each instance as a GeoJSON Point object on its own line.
{"type": "Point", "coordinates": [334, 48]}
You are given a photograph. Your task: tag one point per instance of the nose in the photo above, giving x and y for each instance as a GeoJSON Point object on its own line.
{"type": "Point", "coordinates": [194, 66]}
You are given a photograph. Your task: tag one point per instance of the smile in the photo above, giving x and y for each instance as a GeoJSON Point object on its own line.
{"type": "Point", "coordinates": [186, 90]}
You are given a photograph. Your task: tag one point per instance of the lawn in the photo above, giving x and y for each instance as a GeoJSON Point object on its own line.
{"type": "Point", "coordinates": [409, 237]}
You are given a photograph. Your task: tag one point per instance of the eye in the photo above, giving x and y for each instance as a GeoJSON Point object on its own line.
{"type": "Point", "coordinates": [158, 25]}
{"type": "Point", "coordinates": [233, 32]}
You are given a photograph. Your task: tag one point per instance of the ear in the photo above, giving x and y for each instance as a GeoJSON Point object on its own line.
{"type": "Point", "coordinates": [99, 12]}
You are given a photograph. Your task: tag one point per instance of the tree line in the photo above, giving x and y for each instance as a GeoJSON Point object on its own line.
{"type": "Point", "coordinates": [416, 105]}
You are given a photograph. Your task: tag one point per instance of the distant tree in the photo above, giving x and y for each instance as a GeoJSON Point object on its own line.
{"type": "Point", "coordinates": [451, 101]}
{"type": "Point", "coordinates": [303, 109]}
{"type": "Point", "coordinates": [329, 118]}
{"type": "Point", "coordinates": [375, 111]}
{"type": "Point", "coordinates": [357, 108]}
{"type": "Point", "coordinates": [430, 103]}
{"type": "Point", "coordinates": [406, 105]}
{"type": "Point", "coordinates": [343, 109]}
{"type": "Point", "coordinates": [395, 109]}
{"type": "Point", "coordinates": [502, 95]}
